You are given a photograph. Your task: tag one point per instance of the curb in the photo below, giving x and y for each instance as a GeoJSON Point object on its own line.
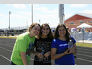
{"type": "Point", "coordinates": [10, 37]}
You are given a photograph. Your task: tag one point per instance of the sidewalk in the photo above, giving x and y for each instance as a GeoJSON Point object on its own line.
{"type": "Point", "coordinates": [85, 41]}
{"type": "Point", "coordinates": [12, 37]}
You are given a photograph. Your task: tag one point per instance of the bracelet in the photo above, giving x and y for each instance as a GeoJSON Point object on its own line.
{"type": "Point", "coordinates": [64, 53]}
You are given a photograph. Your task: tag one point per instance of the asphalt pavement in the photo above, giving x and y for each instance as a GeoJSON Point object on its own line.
{"type": "Point", "coordinates": [84, 54]}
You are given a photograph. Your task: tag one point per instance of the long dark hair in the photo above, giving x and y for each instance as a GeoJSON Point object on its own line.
{"type": "Point", "coordinates": [50, 33]}
{"type": "Point", "coordinates": [67, 35]}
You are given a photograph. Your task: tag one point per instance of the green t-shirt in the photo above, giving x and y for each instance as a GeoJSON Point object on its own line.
{"type": "Point", "coordinates": [23, 43]}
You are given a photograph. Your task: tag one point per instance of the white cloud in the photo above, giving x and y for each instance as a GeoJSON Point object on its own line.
{"type": "Point", "coordinates": [78, 5]}
{"type": "Point", "coordinates": [45, 10]}
{"type": "Point", "coordinates": [3, 24]}
{"type": "Point", "coordinates": [1, 14]}
{"type": "Point", "coordinates": [20, 6]}
{"type": "Point", "coordinates": [45, 15]}
{"type": "Point", "coordinates": [68, 16]}
{"type": "Point", "coordinates": [52, 19]}
{"type": "Point", "coordinates": [84, 12]}
{"type": "Point", "coordinates": [17, 16]}
{"type": "Point", "coordinates": [87, 11]}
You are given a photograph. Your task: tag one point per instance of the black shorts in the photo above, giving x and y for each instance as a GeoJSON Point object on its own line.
{"type": "Point", "coordinates": [12, 63]}
{"type": "Point", "coordinates": [41, 63]}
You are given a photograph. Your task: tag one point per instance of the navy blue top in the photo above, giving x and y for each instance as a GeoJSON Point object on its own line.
{"type": "Point", "coordinates": [61, 48]}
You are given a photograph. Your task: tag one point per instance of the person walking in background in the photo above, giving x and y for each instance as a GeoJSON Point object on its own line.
{"type": "Point", "coordinates": [43, 46]}
{"type": "Point", "coordinates": [24, 45]}
{"type": "Point", "coordinates": [63, 47]}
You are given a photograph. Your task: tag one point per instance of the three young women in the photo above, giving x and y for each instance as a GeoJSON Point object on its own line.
{"type": "Point", "coordinates": [57, 50]}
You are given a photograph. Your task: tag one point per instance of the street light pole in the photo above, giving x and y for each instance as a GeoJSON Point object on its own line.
{"type": "Point", "coordinates": [61, 13]}
{"type": "Point", "coordinates": [8, 32]}
{"type": "Point", "coordinates": [32, 13]}
{"type": "Point", "coordinates": [39, 21]}
{"type": "Point", "coordinates": [9, 19]}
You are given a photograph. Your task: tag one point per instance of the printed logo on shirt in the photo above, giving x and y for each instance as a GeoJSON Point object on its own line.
{"type": "Point", "coordinates": [43, 45]}
{"type": "Point", "coordinates": [63, 45]}
{"type": "Point", "coordinates": [28, 51]}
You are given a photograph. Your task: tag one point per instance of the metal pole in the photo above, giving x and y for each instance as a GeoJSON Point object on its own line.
{"type": "Point", "coordinates": [9, 23]}
{"type": "Point", "coordinates": [32, 13]}
{"type": "Point", "coordinates": [27, 23]}
{"type": "Point", "coordinates": [83, 34]}
{"type": "Point", "coordinates": [39, 21]}
{"type": "Point", "coordinates": [9, 19]}
{"type": "Point", "coordinates": [61, 13]}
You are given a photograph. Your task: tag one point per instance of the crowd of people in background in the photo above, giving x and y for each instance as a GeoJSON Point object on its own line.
{"type": "Point", "coordinates": [46, 45]}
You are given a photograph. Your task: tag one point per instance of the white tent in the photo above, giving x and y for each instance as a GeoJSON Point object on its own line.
{"type": "Point", "coordinates": [84, 25]}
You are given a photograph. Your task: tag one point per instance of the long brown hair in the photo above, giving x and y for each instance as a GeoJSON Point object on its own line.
{"type": "Point", "coordinates": [67, 35]}
{"type": "Point", "coordinates": [50, 33]}
{"type": "Point", "coordinates": [32, 25]}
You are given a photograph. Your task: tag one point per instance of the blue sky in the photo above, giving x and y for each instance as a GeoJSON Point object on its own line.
{"type": "Point", "coordinates": [46, 13]}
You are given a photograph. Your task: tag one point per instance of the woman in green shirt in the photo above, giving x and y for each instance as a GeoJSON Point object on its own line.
{"type": "Point", "coordinates": [24, 45]}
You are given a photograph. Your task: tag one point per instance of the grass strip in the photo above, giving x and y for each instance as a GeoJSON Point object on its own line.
{"type": "Point", "coordinates": [84, 44]}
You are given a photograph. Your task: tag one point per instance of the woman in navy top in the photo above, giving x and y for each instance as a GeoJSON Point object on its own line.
{"type": "Point", "coordinates": [60, 51]}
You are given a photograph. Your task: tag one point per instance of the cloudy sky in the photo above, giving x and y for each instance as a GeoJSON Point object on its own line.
{"type": "Point", "coordinates": [43, 13]}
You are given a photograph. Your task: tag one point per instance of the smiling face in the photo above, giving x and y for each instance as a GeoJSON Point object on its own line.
{"type": "Point", "coordinates": [62, 31]}
{"type": "Point", "coordinates": [45, 30]}
{"type": "Point", "coordinates": [35, 30]}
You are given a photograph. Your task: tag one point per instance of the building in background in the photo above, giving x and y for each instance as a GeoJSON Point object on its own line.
{"type": "Point", "coordinates": [77, 20]}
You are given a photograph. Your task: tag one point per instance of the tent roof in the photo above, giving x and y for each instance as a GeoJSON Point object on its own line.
{"type": "Point", "coordinates": [84, 25]}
